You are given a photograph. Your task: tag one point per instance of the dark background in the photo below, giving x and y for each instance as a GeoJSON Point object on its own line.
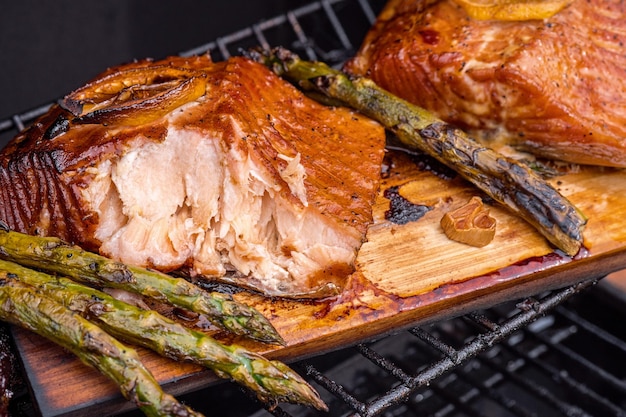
{"type": "Point", "coordinates": [48, 48]}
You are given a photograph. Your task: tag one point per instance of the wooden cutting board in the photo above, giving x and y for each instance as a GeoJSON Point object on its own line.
{"type": "Point", "coordinates": [407, 275]}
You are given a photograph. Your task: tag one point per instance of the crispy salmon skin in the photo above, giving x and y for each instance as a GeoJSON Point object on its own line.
{"type": "Point", "coordinates": [221, 171]}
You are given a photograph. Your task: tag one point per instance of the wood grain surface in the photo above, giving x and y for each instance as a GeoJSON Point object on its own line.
{"type": "Point", "coordinates": [407, 275]}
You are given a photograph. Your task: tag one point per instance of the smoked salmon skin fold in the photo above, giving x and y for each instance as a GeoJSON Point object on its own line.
{"type": "Point", "coordinates": [220, 171]}
{"type": "Point", "coordinates": [554, 87]}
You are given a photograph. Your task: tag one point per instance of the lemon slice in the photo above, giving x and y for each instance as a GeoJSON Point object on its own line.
{"type": "Point", "coordinates": [135, 96]}
{"type": "Point", "coordinates": [512, 10]}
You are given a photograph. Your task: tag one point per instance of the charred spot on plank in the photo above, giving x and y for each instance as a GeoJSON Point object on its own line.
{"type": "Point", "coordinates": [401, 210]}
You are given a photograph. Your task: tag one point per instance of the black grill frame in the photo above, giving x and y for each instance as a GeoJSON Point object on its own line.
{"type": "Point", "coordinates": [534, 347]}
{"type": "Point", "coordinates": [495, 327]}
{"type": "Point", "coordinates": [336, 16]}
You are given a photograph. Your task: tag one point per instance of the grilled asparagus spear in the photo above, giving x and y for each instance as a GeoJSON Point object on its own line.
{"type": "Point", "coordinates": [505, 180]}
{"type": "Point", "coordinates": [23, 305]}
{"type": "Point", "coordinates": [53, 255]}
{"type": "Point", "coordinates": [272, 381]}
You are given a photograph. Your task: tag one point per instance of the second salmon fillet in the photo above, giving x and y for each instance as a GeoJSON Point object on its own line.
{"type": "Point", "coordinates": [554, 87]}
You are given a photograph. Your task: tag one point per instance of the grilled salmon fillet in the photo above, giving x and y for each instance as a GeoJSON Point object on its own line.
{"type": "Point", "coordinates": [554, 87]}
{"type": "Point", "coordinates": [221, 171]}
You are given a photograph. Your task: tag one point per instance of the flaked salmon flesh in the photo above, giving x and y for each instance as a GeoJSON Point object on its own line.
{"type": "Point", "coordinates": [553, 87]}
{"type": "Point", "coordinates": [252, 183]}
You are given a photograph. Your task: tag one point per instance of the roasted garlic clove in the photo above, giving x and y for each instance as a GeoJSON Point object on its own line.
{"type": "Point", "coordinates": [470, 224]}
{"type": "Point", "coordinates": [135, 96]}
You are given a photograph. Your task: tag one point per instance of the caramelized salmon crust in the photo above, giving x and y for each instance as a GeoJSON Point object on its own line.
{"type": "Point", "coordinates": [251, 183]}
{"type": "Point", "coordinates": [553, 87]}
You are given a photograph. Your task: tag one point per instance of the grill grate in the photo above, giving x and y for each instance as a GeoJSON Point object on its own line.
{"type": "Point", "coordinates": [328, 30]}
{"type": "Point", "coordinates": [546, 356]}
{"type": "Point", "coordinates": [506, 361]}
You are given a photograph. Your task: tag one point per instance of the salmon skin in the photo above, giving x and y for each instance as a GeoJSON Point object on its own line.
{"type": "Point", "coordinates": [555, 88]}
{"type": "Point", "coordinates": [218, 171]}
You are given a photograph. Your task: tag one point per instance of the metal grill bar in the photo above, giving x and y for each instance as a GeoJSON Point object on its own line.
{"type": "Point", "coordinates": [530, 386]}
{"type": "Point", "coordinates": [302, 41]}
{"type": "Point", "coordinates": [341, 33]}
{"type": "Point", "coordinates": [473, 348]}
{"type": "Point", "coordinates": [454, 402]}
{"type": "Point", "coordinates": [599, 401]}
{"type": "Point", "coordinates": [592, 328]}
{"type": "Point", "coordinates": [592, 368]}
{"type": "Point", "coordinates": [447, 350]}
{"type": "Point", "coordinates": [367, 9]}
{"type": "Point", "coordinates": [555, 343]}
{"type": "Point", "coordinates": [486, 389]}
{"type": "Point", "coordinates": [10, 127]}
{"type": "Point", "coordinates": [555, 373]}
{"type": "Point", "coordinates": [334, 388]}
{"type": "Point", "coordinates": [478, 350]}
{"type": "Point", "coordinates": [384, 363]}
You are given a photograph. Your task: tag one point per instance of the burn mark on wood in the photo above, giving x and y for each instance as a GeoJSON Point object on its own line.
{"type": "Point", "coordinates": [401, 210]}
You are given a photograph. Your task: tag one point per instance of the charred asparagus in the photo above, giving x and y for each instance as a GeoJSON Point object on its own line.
{"type": "Point", "coordinates": [23, 305]}
{"type": "Point", "coordinates": [272, 381]}
{"type": "Point", "coordinates": [504, 179]}
{"type": "Point", "coordinates": [53, 255]}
